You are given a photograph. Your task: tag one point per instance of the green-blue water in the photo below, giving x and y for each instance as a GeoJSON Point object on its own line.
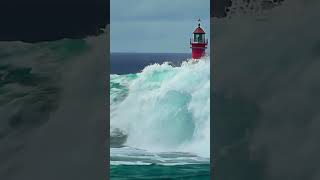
{"type": "Point", "coordinates": [189, 171]}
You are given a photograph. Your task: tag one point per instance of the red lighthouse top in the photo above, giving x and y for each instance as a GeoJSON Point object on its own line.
{"type": "Point", "coordinates": [198, 42]}
{"type": "Point", "coordinates": [199, 30]}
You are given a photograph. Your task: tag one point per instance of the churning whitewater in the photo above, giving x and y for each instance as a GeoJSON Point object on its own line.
{"type": "Point", "coordinates": [163, 109]}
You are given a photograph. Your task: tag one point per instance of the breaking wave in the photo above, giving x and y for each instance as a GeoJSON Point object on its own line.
{"type": "Point", "coordinates": [163, 108]}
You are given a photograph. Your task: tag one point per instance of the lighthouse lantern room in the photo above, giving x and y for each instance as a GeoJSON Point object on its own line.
{"type": "Point", "coordinates": [198, 42]}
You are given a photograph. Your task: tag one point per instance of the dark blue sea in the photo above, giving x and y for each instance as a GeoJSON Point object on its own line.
{"type": "Point", "coordinates": [125, 63]}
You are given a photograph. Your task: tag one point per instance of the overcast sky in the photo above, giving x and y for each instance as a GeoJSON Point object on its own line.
{"type": "Point", "coordinates": [156, 25]}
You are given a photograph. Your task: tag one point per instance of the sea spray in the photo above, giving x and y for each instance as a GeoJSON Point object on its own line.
{"type": "Point", "coordinates": [164, 108]}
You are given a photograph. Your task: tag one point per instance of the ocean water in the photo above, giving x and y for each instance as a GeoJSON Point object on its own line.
{"type": "Point", "coordinates": [47, 90]}
{"type": "Point", "coordinates": [160, 116]}
{"type": "Point", "coordinates": [30, 81]}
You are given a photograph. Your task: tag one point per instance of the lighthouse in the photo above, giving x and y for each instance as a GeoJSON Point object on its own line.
{"type": "Point", "coordinates": [198, 42]}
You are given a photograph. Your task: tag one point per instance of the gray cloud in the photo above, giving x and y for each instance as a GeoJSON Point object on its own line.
{"type": "Point", "coordinates": [154, 10]}
{"type": "Point", "coordinates": [155, 26]}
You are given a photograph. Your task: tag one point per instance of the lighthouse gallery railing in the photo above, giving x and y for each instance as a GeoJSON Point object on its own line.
{"type": "Point", "coordinates": [195, 42]}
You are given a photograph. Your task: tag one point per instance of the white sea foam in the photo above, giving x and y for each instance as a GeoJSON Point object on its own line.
{"type": "Point", "coordinates": [133, 156]}
{"type": "Point", "coordinates": [164, 108]}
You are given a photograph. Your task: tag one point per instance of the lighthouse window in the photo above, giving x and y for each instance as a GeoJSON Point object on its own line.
{"type": "Point", "coordinates": [198, 37]}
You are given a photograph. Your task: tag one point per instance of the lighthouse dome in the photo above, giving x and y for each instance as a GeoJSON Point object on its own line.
{"type": "Point", "coordinates": [199, 30]}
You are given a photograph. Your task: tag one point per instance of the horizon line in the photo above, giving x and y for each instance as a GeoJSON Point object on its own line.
{"type": "Point", "coordinates": [149, 52]}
